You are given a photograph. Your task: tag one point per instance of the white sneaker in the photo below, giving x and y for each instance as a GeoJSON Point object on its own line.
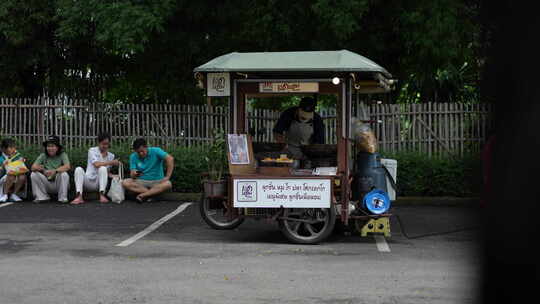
{"type": "Point", "coordinates": [14, 197]}
{"type": "Point", "coordinates": [3, 198]}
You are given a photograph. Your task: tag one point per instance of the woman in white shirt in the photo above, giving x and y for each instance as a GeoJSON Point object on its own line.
{"type": "Point", "coordinates": [100, 161]}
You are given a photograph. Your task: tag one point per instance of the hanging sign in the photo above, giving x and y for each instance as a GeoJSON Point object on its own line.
{"type": "Point", "coordinates": [218, 84]}
{"type": "Point", "coordinates": [288, 87]}
{"type": "Point", "coordinates": [287, 193]}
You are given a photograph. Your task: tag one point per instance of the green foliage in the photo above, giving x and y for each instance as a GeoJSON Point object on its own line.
{"type": "Point", "coordinates": [281, 103]}
{"type": "Point", "coordinates": [121, 27]}
{"type": "Point", "coordinates": [216, 158]}
{"type": "Point", "coordinates": [418, 175]}
{"type": "Point", "coordinates": [145, 51]}
{"type": "Point", "coordinates": [189, 162]}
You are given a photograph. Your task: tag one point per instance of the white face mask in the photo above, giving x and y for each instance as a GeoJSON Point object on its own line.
{"type": "Point", "coordinates": [304, 116]}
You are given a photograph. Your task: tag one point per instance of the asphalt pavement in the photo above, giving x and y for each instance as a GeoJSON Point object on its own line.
{"type": "Point", "coordinates": [53, 253]}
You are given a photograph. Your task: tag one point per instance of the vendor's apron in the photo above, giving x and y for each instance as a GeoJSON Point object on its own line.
{"type": "Point", "coordinates": [299, 134]}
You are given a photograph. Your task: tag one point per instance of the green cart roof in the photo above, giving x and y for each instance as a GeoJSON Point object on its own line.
{"type": "Point", "coordinates": [315, 61]}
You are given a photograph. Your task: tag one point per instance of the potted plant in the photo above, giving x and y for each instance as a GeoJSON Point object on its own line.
{"type": "Point", "coordinates": [215, 185]}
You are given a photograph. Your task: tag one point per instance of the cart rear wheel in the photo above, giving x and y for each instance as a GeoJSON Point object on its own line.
{"type": "Point", "coordinates": [217, 218]}
{"type": "Point", "coordinates": [307, 226]}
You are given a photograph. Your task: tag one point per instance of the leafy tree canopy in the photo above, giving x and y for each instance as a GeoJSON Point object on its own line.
{"type": "Point", "coordinates": [145, 50]}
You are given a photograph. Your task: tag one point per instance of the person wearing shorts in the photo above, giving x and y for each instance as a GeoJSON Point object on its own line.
{"type": "Point", "coordinates": [147, 171]}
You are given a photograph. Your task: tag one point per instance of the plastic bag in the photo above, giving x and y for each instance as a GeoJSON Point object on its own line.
{"type": "Point", "coordinates": [364, 136]}
{"type": "Point", "coordinates": [116, 192]}
{"type": "Point", "coordinates": [15, 165]}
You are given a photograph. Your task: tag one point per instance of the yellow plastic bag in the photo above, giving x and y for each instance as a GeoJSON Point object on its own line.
{"type": "Point", "coordinates": [364, 136]}
{"type": "Point", "coordinates": [15, 165]}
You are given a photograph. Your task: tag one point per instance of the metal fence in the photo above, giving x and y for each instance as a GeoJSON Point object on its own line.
{"type": "Point", "coordinates": [433, 128]}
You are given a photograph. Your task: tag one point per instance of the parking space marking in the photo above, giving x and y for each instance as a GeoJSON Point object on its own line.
{"type": "Point", "coordinates": [382, 246]}
{"type": "Point", "coordinates": [154, 226]}
{"type": "Point", "coordinates": [5, 204]}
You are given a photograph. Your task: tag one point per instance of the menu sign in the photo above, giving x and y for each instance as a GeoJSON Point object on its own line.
{"type": "Point", "coordinates": [287, 193]}
{"type": "Point", "coordinates": [288, 87]}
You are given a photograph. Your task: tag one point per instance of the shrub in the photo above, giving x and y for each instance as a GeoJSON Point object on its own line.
{"type": "Point", "coordinates": [419, 175]}
{"type": "Point", "coordinates": [189, 162]}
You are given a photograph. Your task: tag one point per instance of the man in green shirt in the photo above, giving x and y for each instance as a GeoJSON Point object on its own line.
{"type": "Point", "coordinates": [49, 172]}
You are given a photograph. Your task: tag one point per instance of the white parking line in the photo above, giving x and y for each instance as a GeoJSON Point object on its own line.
{"type": "Point", "coordinates": [382, 246]}
{"type": "Point", "coordinates": [5, 204]}
{"type": "Point", "coordinates": [153, 227]}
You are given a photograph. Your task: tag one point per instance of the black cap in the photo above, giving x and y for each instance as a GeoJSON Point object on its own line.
{"type": "Point", "coordinates": [307, 104]}
{"type": "Point", "coordinates": [53, 139]}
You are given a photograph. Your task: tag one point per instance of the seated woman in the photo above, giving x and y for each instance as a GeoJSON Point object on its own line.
{"type": "Point", "coordinates": [100, 161]}
{"type": "Point", "coordinates": [14, 179]}
{"type": "Point", "coordinates": [49, 172]}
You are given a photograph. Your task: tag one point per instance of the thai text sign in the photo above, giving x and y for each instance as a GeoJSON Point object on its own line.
{"type": "Point", "coordinates": [288, 87]}
{"type": "Point", "coordinates": [287, 193]}
{"type": "Point", "coordinates": [218, 84]}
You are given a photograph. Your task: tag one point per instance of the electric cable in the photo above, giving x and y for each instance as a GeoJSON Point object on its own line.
{"type": "Point", "coordinates": [402, 229]}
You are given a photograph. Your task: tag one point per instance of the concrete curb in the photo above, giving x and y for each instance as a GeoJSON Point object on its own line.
{"type": "Point", "coordinates": [436, 201]}
{"type": "Point", "coordinates": [401, 201]}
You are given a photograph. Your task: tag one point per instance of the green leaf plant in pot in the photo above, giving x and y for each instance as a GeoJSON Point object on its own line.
{"type": "Point", "coordinates": [215, 185]}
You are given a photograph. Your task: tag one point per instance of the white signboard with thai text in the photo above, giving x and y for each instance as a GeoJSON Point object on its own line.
{"type": "Point", "coordinates": [288, 87]}
{"type": "Point", "coordinates": [218, 84]}
{"type": "Point", "coordinates": [287, 193]}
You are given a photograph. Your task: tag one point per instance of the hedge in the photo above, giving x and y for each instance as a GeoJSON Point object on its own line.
{"type": "Point", "coordinates": [189, 163]}
{"type": "Point", "coordinates": [417, 175]}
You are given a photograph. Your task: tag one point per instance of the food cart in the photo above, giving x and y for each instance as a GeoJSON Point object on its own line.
{"type": "Point", "coordinates": [305, 197]}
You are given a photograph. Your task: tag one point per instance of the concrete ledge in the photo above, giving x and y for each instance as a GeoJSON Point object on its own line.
{"type": "Point", "coordinates": [401, 201]}
{"type": "Point", "coordinates": [436, 201]}
{"type": "Point", "coordinates": [169, 196]}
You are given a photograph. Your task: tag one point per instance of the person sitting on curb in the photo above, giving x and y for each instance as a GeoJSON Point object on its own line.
{"type": "Point", "coordinates": [49, 172]}
{"type": "Point", "coordinates": [98, 167]}
{"type": "Point", "coordinates": [146, 171]}
{"type": "Point", "coordinates": [3, 158]}
{"type": "Point", "coordinates": [12, 182]}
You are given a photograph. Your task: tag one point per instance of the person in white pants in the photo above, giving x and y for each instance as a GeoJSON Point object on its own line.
{"type": "Point", "coordinates": [98, 166]}
{"type": "Point", "coordinates": [49, 172]}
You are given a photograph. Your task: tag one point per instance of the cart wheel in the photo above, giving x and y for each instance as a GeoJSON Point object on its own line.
{"type": "Point", "coordinates": [217, 217]}
{"type": "Point", "coordinates": [319, 225]}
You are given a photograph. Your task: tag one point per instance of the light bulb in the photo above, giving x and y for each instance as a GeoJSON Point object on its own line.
{"type": "Point", "coordinates": [335, 80]}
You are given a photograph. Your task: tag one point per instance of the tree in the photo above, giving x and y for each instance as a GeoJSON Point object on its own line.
{"type": "Point", "coordinates": [145, 51]}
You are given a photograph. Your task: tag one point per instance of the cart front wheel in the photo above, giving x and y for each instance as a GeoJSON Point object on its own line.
{"type": "Point", "coordinates": [307, 226]}
{"type": "Point", "coordinates": [216, 216]}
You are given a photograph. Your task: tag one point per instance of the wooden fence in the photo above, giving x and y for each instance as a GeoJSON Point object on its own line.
{"type": "Point", "coordinates": [434, 128]}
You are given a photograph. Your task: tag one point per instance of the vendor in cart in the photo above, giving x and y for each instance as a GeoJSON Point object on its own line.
{"type": "Point", "coordinates": [298, 126]}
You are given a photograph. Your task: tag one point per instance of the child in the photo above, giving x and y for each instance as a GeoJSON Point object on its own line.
{"type": "Point", "coordinates": [13, 165]}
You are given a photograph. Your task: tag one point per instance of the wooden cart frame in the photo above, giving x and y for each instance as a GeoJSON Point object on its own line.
{"type": "Point", "coordinates": [244, 84]}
